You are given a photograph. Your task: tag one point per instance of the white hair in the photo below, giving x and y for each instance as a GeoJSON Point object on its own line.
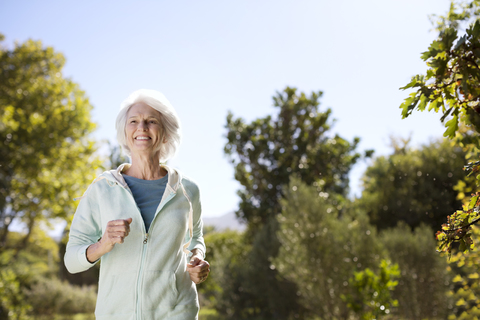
{"type": "Point", "coordinates": [169, 121]}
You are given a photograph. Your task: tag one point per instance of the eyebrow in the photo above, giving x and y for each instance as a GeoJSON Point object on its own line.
{"type": "Point", "coordinates": [149, 117]}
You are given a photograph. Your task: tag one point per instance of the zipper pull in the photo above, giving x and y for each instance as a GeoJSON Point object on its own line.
{"type": "Point", "coordinates": [146, 238]}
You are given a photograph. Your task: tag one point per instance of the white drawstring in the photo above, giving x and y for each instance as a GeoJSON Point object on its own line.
{"type": "Point", "coordinates": [190, 220]}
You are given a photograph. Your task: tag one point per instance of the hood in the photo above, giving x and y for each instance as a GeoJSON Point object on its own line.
{"type": "Point", "coordinates": [115, 175]}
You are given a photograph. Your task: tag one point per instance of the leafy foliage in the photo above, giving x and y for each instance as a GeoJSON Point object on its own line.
{"type": "Point", "coordinates": [38, 258]}
{"type": "Point", "coordinates": [53, 296]}
{"type": "Point", "coordinates": [466, 288]}
{"type": "Point", "coordinates": [30, 285]}
{"type": "Point", "coordinates": [372, 297]}
{"type": "Point", "coordinates": [396, 186]}
{"type": "Point", "coordinates": [459, 224]}
{"type": "Point", "coordinates": [46, 156]}
{"type": "Point", "coordinates": [269, 150]}
{"type": "Point", "coordinates": [451, 85]}
{"type": "Point", "coordinates": [424, 283]}
{"type": "Point", "coordinates": [12, 303]}
{"type": "Point", "coordinates": [226, 250]}
{"type": "Point", "coordinates": [265, 153]}
{"type": "Point", "coordinates": [321, 250]}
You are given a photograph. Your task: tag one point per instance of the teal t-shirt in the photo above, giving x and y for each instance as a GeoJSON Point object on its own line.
{"type": "Point", "coordinates": [147, 195]}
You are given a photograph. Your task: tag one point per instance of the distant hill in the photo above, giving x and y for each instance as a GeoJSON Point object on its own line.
{"type": "Point", "coordinates": [227, 221]}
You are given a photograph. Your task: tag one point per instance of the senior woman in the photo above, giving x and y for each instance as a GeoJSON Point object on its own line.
{"type": "Point", "coordinates": [143, 221]}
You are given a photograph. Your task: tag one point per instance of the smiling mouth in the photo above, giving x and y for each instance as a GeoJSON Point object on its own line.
{"type": "Point", "coordinates": [143, 138]}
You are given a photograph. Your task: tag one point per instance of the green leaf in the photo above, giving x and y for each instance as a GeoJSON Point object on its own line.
{"type": "Point", "coordinates": [457, 279]}
{"type": "Point", "coordinates": [446, 114]}
{"type": "Point", "coordinates": [476, 30]}
{"type": "Point", "coordinates": [465, 85]}
{"type": "Point", "coordinates": [433, 105]}
{"type": "Point", "coordinates": [441, 65]}
{"type": "Point", "coordinates": [423, 102]}
{"type": "Point", "coordinates": [472, 203]}
{"type": "Point", "coordinates": [409, 105]}
{"type": "Point", "coordinates": [430, 74]}
{"type": "Point", "coordinates": [411, 84]}
{"type": "Point", "coordinates": [449, 36]}
{"type": "Point", "coordinates": [452, 127]}
{"type": "Point", "coordinates": [435, 47]}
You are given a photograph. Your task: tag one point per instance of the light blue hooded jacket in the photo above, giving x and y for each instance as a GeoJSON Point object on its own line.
{"type": "Point", "coordinates": [145, 277]}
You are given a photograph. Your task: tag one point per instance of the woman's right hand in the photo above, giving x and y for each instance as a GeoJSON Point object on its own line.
{"type": "Point", "coordinates": [115, 232]}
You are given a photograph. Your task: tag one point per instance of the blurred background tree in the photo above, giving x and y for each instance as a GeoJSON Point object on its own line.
{"type": "Point", "coordinates": [265, 154]}
{"type": "Point", "coordinates": [305, 239]}
{"type": "Point", "coordinates": [395, 187]}
{"type": "Point", "coordinates": [424, 285]}
{"type": "Point", "coordinates": [321, 249]}
{"type": "Point", "coordinates": [46, 155]}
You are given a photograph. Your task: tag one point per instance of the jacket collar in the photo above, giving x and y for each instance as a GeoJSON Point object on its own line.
{"type": "Point", "coordinates": [174, 176]}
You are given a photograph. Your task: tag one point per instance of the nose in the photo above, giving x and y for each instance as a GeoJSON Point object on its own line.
{"type": "Point", "coordinates": [142, 126]}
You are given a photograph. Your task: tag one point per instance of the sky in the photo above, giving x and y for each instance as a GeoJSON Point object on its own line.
{"type": "Point", "coordinates": [212, 57]}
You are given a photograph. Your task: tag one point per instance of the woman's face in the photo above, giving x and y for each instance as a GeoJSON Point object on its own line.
{"type": "Point", "coordinates": [144, 129]}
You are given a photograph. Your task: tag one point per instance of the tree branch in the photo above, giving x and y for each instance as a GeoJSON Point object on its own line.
{"type": "Point", "coordinates": [465, 226]}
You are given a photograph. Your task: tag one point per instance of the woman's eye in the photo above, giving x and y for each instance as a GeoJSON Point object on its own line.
{"type": "Point", "coordinates": [133, 121]}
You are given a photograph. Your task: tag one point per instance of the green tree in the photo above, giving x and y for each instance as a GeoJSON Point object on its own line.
{"type": "Point", "coordinates": [29, 286]}
{"type": "Point", "coordinates": [424, 284]}
{"type": "Point", "coordinates": [37, 260]}
{"type": "Point", "coordinates": [226, 252]}
{"type": "Point", "coordinates": [396, 186]}
{"type": "Point", "coordinates": [321, 249]}
{"type": "Point", "coordinates": [265, 153]}
{"type": "Point", "coordinates": [451, 85]}
{"type": "Point", "coordinates": [46, 155]}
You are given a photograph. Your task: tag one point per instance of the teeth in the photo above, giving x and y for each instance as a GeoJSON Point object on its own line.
{"type": "Point", "coordinates": [142, 138]}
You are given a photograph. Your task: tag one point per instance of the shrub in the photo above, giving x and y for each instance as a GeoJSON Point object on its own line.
{"type": "Point", "coordinates": [424, 281]}
{"type": "Point", "coordinates": [53, 296]}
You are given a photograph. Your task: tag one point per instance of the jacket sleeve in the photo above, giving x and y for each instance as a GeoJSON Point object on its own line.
{"type": "Point", "coordinates": [197, 239]}
{"type": "Point", "coordinates": [84, 231]}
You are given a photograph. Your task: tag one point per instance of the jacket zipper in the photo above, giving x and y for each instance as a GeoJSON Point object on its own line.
{"type": "Point", "coordinates": [140, 272]}
{"type": "Point", "coordinates": [144, 248]}
{"type": "Point", "coordinates": [140, 277]}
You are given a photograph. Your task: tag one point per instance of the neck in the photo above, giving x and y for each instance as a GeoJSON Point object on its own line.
{"type": "Point", "coordinates": [146, 167]}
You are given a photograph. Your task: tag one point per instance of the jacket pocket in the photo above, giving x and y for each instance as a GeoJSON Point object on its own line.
{"type": "Point", "coordinates": [159, 290]}
{"type": "Point", "coordinates": [116, 295]}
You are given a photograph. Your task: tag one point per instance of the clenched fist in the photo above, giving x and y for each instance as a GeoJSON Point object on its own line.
{"type": "Point", "coordinates": [115, 232]}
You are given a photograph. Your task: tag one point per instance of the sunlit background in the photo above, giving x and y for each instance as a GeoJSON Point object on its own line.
{"type": "Point", "coordinates": [209, 57]}
{"type": "Point", "coordinates": [312, 244]}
